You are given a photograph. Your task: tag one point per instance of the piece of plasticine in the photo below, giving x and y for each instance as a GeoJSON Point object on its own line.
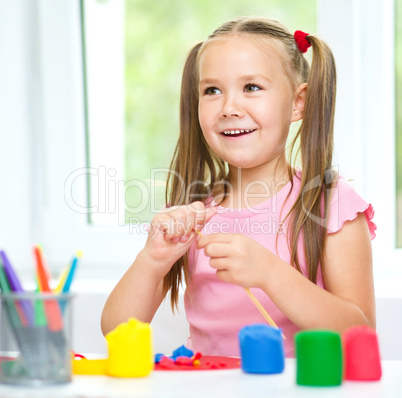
{"type": "Point", "coordinates": [261, 349]}
{"type": "Point", "coordinates": [167, 363]}
{"type": "Point", "coordinates": [96, 367]}
{"type": "Point", "coordinates": [130, 350]}
{"type": "Point", "coordinates": [183, 360]}
{"type": "Point", "coordinates": [318, 358]}
{"type": "Point", "coordinates": [158, 357]}
{"type": "Point", "coordinates": [182, 351]}
{"type": "Point", "coordinates": [362, 354]}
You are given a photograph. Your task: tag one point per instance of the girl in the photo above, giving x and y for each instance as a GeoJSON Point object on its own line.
{"type": "Point", "coordinates": [299, 238]}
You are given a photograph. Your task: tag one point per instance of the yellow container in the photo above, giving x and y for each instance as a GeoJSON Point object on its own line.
{"type": "Point", "coordinates": [130, 350]}
{"type": "Point", "coordinates": [90, 366]}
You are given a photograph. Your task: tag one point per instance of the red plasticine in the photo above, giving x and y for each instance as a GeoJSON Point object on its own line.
{"type": "Point", "coordinates": [166, 363]}
{"type": "Point", "coordinates": [206, 363]}
{"type": "Point", "coordinates": [198, 355]}
{"type": "Point", "coordinates": [362, 355]}
{"type": "Point", "coordinates": [183, 361]}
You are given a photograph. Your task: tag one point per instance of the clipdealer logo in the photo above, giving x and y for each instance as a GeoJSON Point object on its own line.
{"type": "Point", "coordinates": [108, 196]}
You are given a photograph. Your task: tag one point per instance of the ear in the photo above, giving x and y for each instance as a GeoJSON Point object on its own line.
{"type": "Point", "coordinates": [299, 102]}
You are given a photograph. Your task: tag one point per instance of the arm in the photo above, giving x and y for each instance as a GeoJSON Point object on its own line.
{"type": "Point", "coordinates": [139, 293]}
{"type": "Point", "coordinates": [347, 272]}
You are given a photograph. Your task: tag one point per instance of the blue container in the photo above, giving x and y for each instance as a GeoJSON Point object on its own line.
{"type": "Point", "coordinates": [261, 349]}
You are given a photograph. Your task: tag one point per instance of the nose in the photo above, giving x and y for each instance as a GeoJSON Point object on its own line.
{"type": "Point", "coordinates": [232, 107]}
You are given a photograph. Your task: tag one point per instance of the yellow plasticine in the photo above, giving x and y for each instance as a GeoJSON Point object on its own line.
{"type": "Point", "coordinates": [90, 366]}
{"type": "Point", "coordinates": [130, 350]}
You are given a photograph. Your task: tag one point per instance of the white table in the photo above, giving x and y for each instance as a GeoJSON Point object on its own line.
{"type": "Point", "coordinates": [213, 383]}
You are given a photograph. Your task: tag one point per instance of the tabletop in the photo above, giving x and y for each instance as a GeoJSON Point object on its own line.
{"type": "Point", "coordinates": [212, 383]}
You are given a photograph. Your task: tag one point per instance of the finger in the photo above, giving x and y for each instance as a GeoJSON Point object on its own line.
{"type": "Point", "coordinates": [218, 250]}
{"type": "Point", "coordinates": [154, 232]}
{"type": "Point", "coordinates": [184, 218]}
{"type": "Point", "coordinates": [217, 238]}
{"type": "Point", "coordinates": [202, 214]}
{"type": "Point", "coordinates": [182, 244]}
{"type": "Point", "coordinates": [179, 222]}
{"type": "Point", "coordinates": [220, 264]}
{"type": "Point", "coordinates": [172, 223]}
{"type": "Point", "coordinates": [176, 227]}
{"type": "Point", "coordinates": [185, 240]}
{"type": "Point", "coordinates": [159, 225]}
{"type": "Point", "coordinates": [227, 276]}
{"type": "Point", "coordinates": [198, 212]}
{"type": "Point", "coordinates": [224, 275]}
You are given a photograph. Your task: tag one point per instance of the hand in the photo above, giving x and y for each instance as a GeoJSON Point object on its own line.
{"type": "Point", "coordinates": [172, 233]}
{"type": "Point", "coordinates": [237, 258]}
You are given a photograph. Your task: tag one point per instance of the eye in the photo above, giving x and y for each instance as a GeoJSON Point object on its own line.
{"type": "Point", "coordinates": [212, 91]}
{"type": "Point", "coordinates": [249, 88]}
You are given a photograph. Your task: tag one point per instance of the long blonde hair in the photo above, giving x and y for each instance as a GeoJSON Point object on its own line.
{"type": "Point", "coordinates": [195, 170]}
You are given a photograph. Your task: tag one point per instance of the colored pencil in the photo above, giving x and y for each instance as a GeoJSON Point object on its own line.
{"type": "Point", "coordinates": [13, 313]}
{"type": "Point", "coordinates": [52, 307]}
{"type": "Point", "coordinates": [62, 279]}
{"type": "Point", "coordinates": [25, 308]}
{"type": "Point", "coordinates": [71, 272]}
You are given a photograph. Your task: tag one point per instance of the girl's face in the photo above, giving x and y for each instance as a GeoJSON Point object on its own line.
{"type": "Point", "coordinates": [245, 101]}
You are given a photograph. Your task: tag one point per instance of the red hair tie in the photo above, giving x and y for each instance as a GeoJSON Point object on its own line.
{"type": "Point", "coordinates": [301, 40]}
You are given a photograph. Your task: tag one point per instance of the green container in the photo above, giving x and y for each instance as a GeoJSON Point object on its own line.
{"type": "Point", "coordinates": [318, 358]}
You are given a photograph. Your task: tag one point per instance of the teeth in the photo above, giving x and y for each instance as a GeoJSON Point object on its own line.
{"type": "Point", "coordinates": [234, 132]}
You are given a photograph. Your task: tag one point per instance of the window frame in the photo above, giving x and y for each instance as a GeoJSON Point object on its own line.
{"type": "Point", "coordinates": [63, 217]}
{"type": "Point", "coordinates": [364, 59]}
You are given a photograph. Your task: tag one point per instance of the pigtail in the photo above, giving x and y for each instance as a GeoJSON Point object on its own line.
{"type": "Point", "coordinates": [309, 213]}
{"type": "Point", "coordinates": [193, 170]}
{"type": "Point", "coordinates": [178, 177]}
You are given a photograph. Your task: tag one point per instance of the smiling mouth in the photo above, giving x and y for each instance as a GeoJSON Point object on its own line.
{"type": "Point", "coordinates": [236, 133]}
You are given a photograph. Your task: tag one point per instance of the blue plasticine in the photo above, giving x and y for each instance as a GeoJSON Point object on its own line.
{"type": "Point", "coordinates": [261, 348]}
{"type": "Point", "coordinates": [158, 357]}
{"type": "Point", "coordinates": [182, 351]}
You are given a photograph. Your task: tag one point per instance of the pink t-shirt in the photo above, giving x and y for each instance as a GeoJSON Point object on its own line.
{"type": "Point", "coordinates": [217, 310]}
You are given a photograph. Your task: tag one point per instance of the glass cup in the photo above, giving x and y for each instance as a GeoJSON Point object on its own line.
{"type": "Point", "coordinates": [35, 338]}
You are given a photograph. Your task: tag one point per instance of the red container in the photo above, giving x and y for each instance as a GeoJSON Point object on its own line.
{"type": "Point", "coordinates": [362, 354]}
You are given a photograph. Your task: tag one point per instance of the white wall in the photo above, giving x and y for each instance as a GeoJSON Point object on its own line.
{"type": "Point", "coordinates": [16, 135]}
{"type": "Point", "coordinates": [171, 331]}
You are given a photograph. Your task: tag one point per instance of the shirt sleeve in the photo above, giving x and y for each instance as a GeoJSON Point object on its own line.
{"type": "Point", "coordinates": [346, 204]}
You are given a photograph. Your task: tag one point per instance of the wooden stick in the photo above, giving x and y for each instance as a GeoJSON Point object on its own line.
{"type": "Point", "coordinates": [257, 304]}
{"type": "Point", "coordinates": [262, 310]}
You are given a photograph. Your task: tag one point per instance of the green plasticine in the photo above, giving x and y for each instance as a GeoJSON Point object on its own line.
{"type": "Point", "coordinates": [319, 358]}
